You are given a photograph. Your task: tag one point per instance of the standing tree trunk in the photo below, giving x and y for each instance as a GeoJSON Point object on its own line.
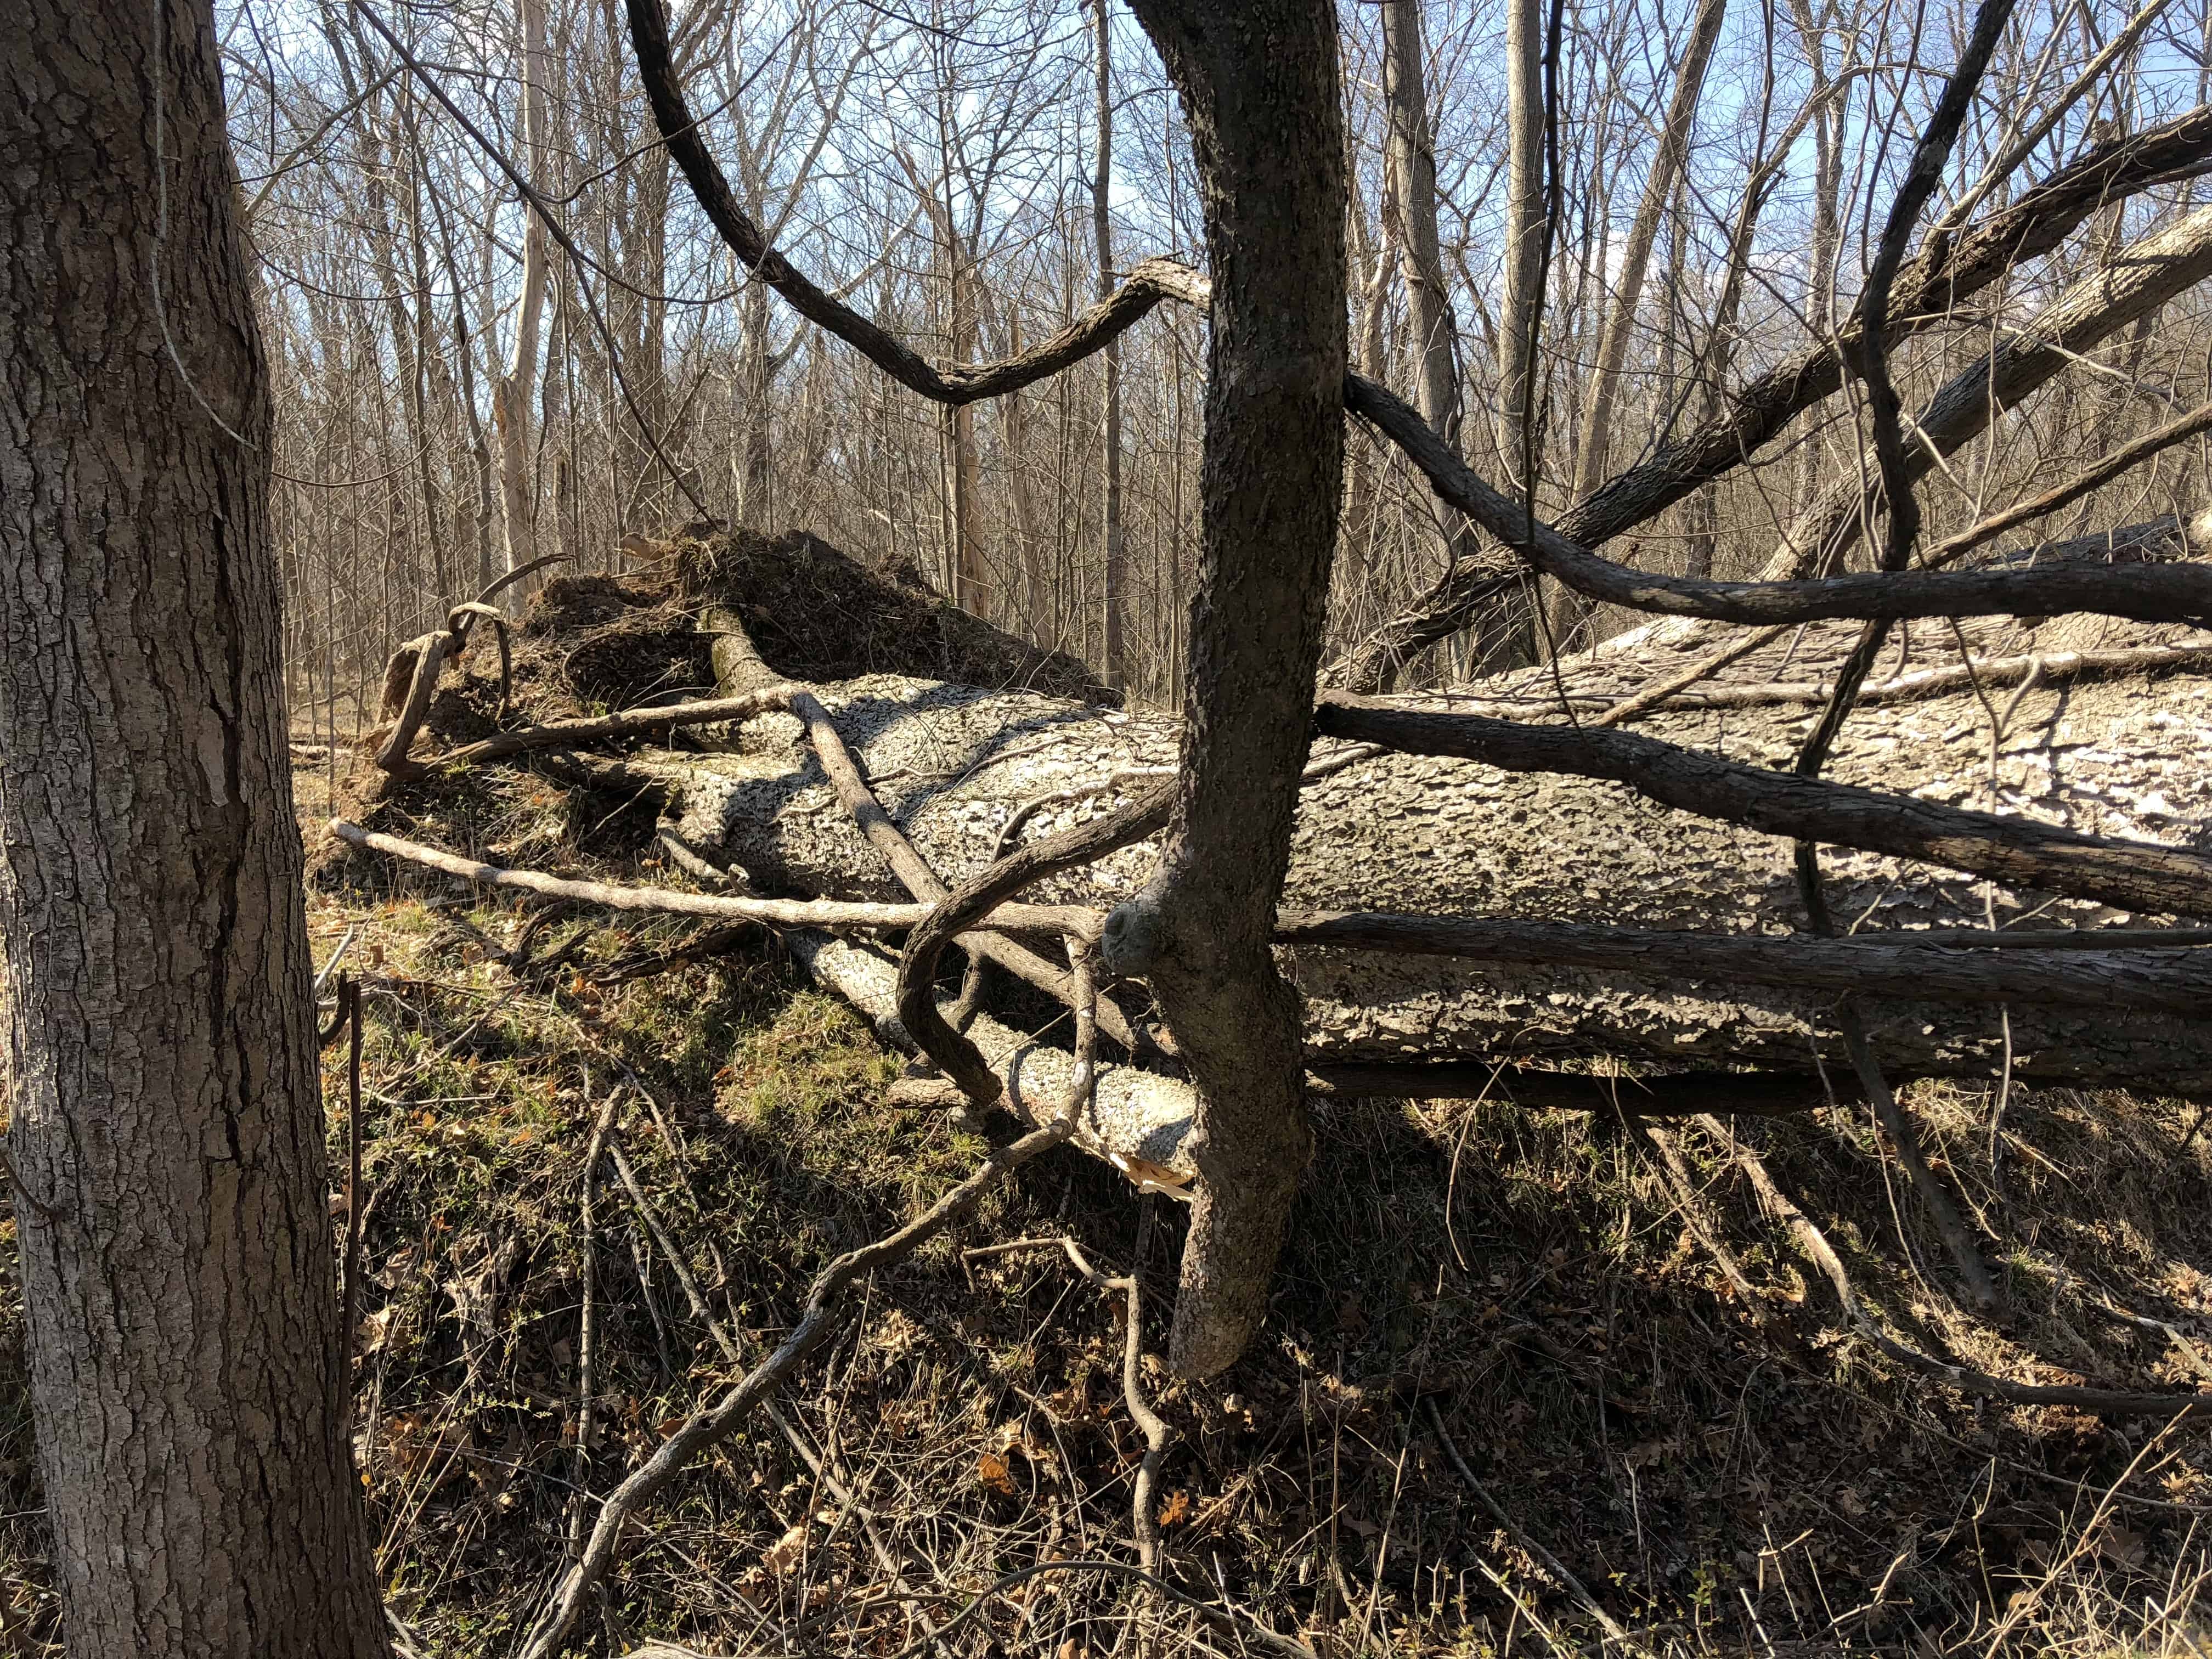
{"type": "Point", "coordinates": [186, 1371]}
{"type": "Point", "coordinates": [1258, 80]}
{"type": "Point", "coordinates": [1524, 228]}
{"type": "Point", "coordinates": [1669, 165]}
{"type": "Point", "coordinates": [1410, 182]}
{"type": "Point", "coordinates": [1115, 667]}
{"type": "Point", "coordinates": [511, 395]}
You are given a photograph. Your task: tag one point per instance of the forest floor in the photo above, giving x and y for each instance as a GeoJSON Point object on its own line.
{"type": "Point", "coordinates": [1476, 1300]}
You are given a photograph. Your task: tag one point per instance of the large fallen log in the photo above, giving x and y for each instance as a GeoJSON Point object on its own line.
{"type": "Point", "coordinates": [2123, 757]}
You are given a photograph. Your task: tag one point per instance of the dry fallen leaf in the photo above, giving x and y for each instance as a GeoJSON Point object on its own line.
{"type": "Point", "coordinates": [991, 1469]}
{"type": "Point", "coordinates": [786, 1551]}
{"type": "Point", "coordinates": [2122, 1547]}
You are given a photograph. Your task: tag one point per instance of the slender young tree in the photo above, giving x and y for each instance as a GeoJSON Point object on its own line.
{"type": "Point", "coordinates": [186, 1370]}
{"type": "Point", "coordinates": [1115, 551]}
{"type": "Point", "coordinates": [511, 393]}
{"type": "Point", "coordinates": [1524, 227]}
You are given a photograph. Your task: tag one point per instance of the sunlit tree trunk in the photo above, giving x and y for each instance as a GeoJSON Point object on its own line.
{"type": "Point", "coordinates": [511, 396]}
{"type": "Point", "coordinates": [1113, 551]}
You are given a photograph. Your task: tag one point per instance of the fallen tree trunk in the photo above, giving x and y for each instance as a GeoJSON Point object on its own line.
{"type": "Point", "coordinates": [1435, 834]}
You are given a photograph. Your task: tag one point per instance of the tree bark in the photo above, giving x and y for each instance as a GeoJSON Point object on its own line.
{"type": "Point", "coordinates": [1446, 837]}
{"type": "Point", "coordinates": [1259, 88]}
{"type": "Point", "coordinates": [186, 1364]}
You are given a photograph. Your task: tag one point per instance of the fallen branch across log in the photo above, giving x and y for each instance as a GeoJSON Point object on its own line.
{"type": "Point", "coordinates": [831, 914]}
{"type": "Point", "coordinates": [1684, 1094]}
{"type": "Point", "coordinates": [2019, 852]}
{"type": "Point", "coordinates": [1938, 967]}
{"type": "Point", "coordinates": [2169, 971]}
{"type": "Point", "coordinates": [919, 879]}
{"type": "Point", "coordinates": [614, 728]}
{"type": "Point", "coordinates": [1136, 1121]}
{"type": "Point", "coordinates": [2055, 669]}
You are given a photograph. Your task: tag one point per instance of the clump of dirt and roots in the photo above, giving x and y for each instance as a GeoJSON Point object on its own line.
{"type": "Point", "coordinates": [1483, 1312]}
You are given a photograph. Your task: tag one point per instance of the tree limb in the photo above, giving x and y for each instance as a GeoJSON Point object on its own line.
{"type": "Point", "coordinates": [828, 914]}
{"type": "Point", "coordinates": [2020, 852]}
{"type": "Point", "coordinates": [1151, 281]}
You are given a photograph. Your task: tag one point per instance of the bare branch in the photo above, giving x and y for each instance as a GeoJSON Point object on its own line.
{"type": "Point", "coordinates": [828, 914]}
{"type": "Point", "coordinates": [824, 1309]}
{"type": "Point", "coordinates": [1812, 1244]}
{"type": "Point", "coordinates": [1929, 289]}
{"type": "Point", "coordinates": [2141, 876]}
{"type": "Point", "coordinates": [2161, 593]}
{"type": "Point", "coordinates": [1933, 964]}
{"type": "Point", "coordinates": [1151, 281]}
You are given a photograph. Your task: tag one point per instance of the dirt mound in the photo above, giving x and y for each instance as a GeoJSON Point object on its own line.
{"type": "Point", "coordinates": [600, 641]}
{"type": "Point", "coordinates": [817, 614]}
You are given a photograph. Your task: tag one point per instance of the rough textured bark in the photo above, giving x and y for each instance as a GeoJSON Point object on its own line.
{"type": "Point", "coordinates": [1259, 87]}
{"type": "Point", "coordinates": [186, 1371]}
{"type": "Point", "coordinates": [2116, 755]}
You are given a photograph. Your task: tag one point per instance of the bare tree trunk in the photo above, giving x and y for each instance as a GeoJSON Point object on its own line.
{"type": "Point", "coordinates": [1410, 176]}
{"type": "Point", "coordinates": [1827, 220]}
{"type": "Point", "coordinates": [511, 395]}
{"type": "Point", "coordinates": [756, 454]}
{"type": "Point", "coordinates": [187, 1373]}
{"type": "Point", "coordinates": [1115, 666]}
{"type": "Point", "coordinates": [1668, 166]}
{"type": "Point", "coordinates": [553, 430]}
{"type": "Point", "coordinates": [1373, 260]}
{"type": "Point", "coordinates": [1259, 85]}
{"type": "Point", "coordinates": [1524, 225]}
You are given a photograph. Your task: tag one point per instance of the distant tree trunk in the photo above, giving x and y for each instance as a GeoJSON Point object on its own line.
{"type": "Point", "coordinates": [511, 395]}
{"type": "Point", "coordinates": [1115, 667]}
{"type": "Point", "coordinates": [554, 432]}
{"type": "Point", "coordinates": [1372, 260]}
{"type": "Point", "coordinates": [1410, 178]}
{"type": "Point", "coordinates": [1827, 221]}
{"type": "Point", "coordinates": [1508, 634]}
{"type": "Point", "coordinates": [1524, 225]}
{"type": "Point", "coordinates": [1719, 358]}
{"type": "Point", "coordinates": [1259, 85]}
{"type": "Point", "coordinates": [186, 1371]}
{"type": "Point", "coordinates": [756, 458]}
{"type": "Point", "coordinates": [1668, 166]}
